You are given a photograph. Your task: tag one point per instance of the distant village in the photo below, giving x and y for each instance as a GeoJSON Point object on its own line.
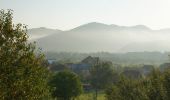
{"type": "Point", "coordinates": [84, 66]}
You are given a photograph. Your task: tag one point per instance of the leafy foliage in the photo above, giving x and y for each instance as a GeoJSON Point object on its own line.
{"type": "Point", "coordinates": [66, 85]}
{"type": "Point", "coordinates": [101, 75]}
{"type": "Point", "coordinates": [166, 83]}
{"type": "Point", "coordinates": [153, 87]}
{"type": "Point", "coordinates": [22, 74]}
{"type": "Point", "coordinates": [126, 89]}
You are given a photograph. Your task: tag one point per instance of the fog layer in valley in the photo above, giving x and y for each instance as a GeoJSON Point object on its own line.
{"type": "Point", "coordinates": [97, 37]}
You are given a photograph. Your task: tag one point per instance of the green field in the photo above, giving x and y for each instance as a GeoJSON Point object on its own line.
{"type": "Point", "coordinates": [90, 96]}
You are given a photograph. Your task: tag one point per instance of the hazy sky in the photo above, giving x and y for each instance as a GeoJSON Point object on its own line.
{"type": "Point", "coordinates": [67, 14]}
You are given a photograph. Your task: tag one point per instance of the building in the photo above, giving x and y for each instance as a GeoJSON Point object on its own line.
{"type": "Point", "coordinates": [90, 60]}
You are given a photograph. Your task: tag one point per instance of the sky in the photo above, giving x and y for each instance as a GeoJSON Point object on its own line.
{"type": "Point", "coordinates": [68, 14]}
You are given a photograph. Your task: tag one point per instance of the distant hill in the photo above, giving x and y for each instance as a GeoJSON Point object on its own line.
{"type": "Point", "coordinates": [97, 37]}
{"type": "Point", "coordinates": [37, 33]}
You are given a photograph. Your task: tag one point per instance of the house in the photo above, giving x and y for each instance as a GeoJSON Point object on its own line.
{"type": "Point", "coordinates": [90, 60]}
{"type": "Point", "coordinates": [85, 64]}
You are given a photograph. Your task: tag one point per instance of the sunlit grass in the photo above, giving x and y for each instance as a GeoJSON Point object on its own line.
{"type": "Point", "coordinates": [90, 96]}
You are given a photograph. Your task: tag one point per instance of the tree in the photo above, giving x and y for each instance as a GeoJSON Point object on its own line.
{"type": "Point", "coordinates": [101, 76]}
{"type": "Point", "coordinates": [66, 85]}
{"type": "Point", "coordinates": [156, 90]}
{"type": "Point", "coordinates": [113, 93]}
{"type": "Point", "coordinates": [166, 83]}
{"type": "Point", "coordinates": [22, 74]}
{"type": "Point", "coordinates": [126, 89]}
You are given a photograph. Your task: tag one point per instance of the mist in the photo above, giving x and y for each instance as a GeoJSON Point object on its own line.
{"type": "Point", "coordinates": [98, 37]}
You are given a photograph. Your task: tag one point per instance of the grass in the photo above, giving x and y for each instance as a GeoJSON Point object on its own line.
{"type": "Point", "coordinates": [90, 96]}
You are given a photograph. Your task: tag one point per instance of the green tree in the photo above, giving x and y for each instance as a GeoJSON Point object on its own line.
{"type": "Point", "coordinates": [101, 76]}
{"type": "Point", "coordinates": [113, 93]}
{"type": "Point", "coordinates": [126, 89]}
{"type": "Point", "coordinates": [166, 83]}
{"type": "Point", "coordinates": [22, 74]}
{"type": "Point", "coordinates": [156, 90]}
{"type": "Point", "coordinates": [66, 85]}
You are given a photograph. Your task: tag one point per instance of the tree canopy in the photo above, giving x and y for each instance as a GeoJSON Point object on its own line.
{"type": "Point", "coordinates": [22, 73]}
{"type": "Point", "coordinates": [66, 85]}
{"type": "Point", "coordinates": [101, 76]}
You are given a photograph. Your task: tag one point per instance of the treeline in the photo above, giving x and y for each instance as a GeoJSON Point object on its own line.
{"type": "Point", "coordinates": [155, 86]}
{"type": "Point", "coordinates": [155, 58]}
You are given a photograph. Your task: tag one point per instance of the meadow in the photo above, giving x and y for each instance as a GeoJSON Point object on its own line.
{"type": "Point", "coordinates": [90, 96]}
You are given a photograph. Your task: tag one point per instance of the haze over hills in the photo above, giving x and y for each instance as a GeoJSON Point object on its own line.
{"type": "Point", "coordinates": [37, 33]}
{"type": "Point", "coordinates": [96, 37]}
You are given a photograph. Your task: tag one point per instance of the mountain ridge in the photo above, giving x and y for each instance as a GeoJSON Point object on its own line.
{"type": "Point", "coordinates": [110, 25]}
{"type": "Point", "coordinates": [96, 37]}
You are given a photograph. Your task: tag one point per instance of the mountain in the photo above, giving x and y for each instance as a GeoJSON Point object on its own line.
{"type": "Point", "coordinates": [97, 37]}
{"type": "Point", "coordinates": [93, 26]}
{"type": "Point", "coordinates": [37, 33]}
